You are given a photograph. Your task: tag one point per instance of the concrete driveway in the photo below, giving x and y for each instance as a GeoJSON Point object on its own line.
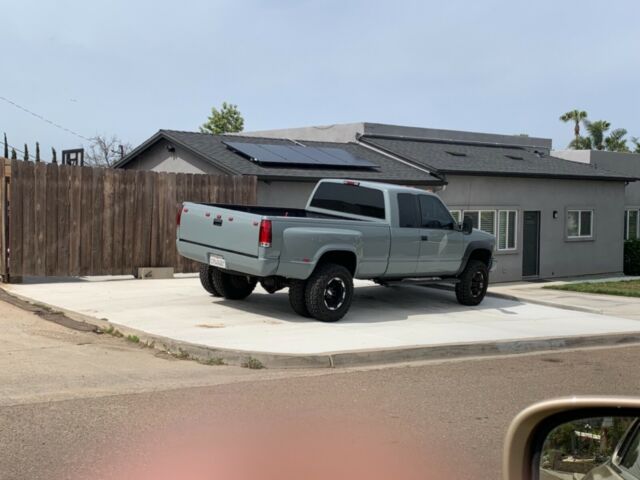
{"type": "Point", "coordinates": [393, 319]}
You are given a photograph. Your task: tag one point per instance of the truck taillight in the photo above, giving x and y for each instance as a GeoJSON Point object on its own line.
{"type": "Point", "coordinates": [264, 237]}
{"type": "Point", "coordinates": [179, 214]}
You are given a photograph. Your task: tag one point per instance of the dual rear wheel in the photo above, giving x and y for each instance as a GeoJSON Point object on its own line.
{"type": "Point", "coordinates": [224, 284]}
{"type": "Point", "coordinates": [326, 295]}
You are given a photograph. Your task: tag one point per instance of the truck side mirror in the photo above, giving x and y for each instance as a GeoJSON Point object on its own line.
{"type": "Point", "coordinates": [467, 225]}
{"type": "Point", "coordinates": [576, 437]}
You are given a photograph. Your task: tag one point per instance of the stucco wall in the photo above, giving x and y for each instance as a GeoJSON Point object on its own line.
{"type": "Point", "coordinates": [559, 257]}
{"type": "Point", "coordinates": [625, 163]}
{"type": "Point", "coordinates": [159, 159]}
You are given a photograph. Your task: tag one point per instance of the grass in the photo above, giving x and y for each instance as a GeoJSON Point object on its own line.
{"type": "Point", "coordinates": [253, 364]}
{"type": "Point", "coordinates": [626, 288]}
{"type": "Point", "coordinates": [133, 338]}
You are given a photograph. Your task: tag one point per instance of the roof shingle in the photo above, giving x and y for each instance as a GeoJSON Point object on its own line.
{"type": "Point", "coordinates": [211, 148]}
{"type": "Point", "coordinates": [477, 159]}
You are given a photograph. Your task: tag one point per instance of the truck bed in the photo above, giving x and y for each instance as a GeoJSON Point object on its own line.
{"type": "Point", "coordinates": [276, 211]}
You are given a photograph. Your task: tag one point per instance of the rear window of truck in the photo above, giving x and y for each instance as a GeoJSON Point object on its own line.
{"type": "Point", "coordinates": [352, 199]}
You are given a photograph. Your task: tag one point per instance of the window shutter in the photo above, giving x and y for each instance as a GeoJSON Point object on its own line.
{"type": "Point", "coordinates": [488, 222]}
{"type": "Point", "coordinates": [502, 230]}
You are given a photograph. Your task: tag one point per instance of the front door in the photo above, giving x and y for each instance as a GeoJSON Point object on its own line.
{"type": "Point", "coordinates": [531, 244]}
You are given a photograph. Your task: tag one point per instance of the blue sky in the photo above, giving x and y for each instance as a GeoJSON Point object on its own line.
{"type": "Point", "coordinates": [129, 67]}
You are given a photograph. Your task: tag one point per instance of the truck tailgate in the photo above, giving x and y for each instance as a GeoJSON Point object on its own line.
{"type": "Point", "coordinates": [219, 228]}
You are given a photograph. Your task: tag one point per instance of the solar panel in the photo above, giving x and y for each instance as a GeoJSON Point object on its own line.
{"type": "Point", "coordinates": [265, 153]}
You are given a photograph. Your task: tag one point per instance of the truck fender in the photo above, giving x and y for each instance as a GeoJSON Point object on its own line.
{"type": "Point", "coordinates": [305, 247]}
{"type": "Point", "coordinates": [471, 247]}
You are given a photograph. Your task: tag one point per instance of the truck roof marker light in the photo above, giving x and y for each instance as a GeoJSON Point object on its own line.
{"type": "Point", "coordinates": [207, 214]}
{"type": "Point", "coordinates": [230, 219]}
{"type": "Point", "coordinates": [218, 216]}
{"type": "Point", "coordinates": [352, 182]}
{"type": "Point", "coordinates": [264, 236]}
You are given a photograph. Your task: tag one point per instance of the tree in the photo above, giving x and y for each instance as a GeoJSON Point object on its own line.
{"type": "Point", "coordinates": [37, 151]}
{"type": "Point", "coordinates": [14, 155]}
{"type": "Point", "coordinates": [616, 142]}
{"type": "Point", "coordinates": [596, 130]}
{"type": "Point", "coordinates": [636, 142]}
{"type": "Point", "coordinates": [54, 156]}
{"type": "Point", "coordinates": [6, 147]}
{"type": "Point", "coordinates": [576, 116]}
{"type": "Point", "coordinates": [226, 120]}
{"type": "Point", "coordinates": [580, 143]}
{"type": "Point", "coordinates": [26, 153]}
{"type": "Point", "coordinates": [104, 151]}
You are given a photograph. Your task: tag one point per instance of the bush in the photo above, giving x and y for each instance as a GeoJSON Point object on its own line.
{"type": "Point", "coordinates": [632, 257]}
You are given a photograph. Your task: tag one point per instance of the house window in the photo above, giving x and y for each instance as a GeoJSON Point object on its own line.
{"type": "Point", "coordinates": [507, 223]}
{"type": "Point", "coordinates": [631, 224]}
{"type": "Point", "coordinates": [456, 215]}
{"type": "Point", "coordinates": [580, 223]}
{"type": "Point", "coordinates": [484, 220]}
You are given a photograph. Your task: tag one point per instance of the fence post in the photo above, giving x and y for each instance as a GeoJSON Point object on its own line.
{"type": "Point", "coordinates": [5, 175]}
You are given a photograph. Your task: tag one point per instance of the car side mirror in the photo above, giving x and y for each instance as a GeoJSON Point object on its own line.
{"type": "Point", "coordinates": [467, 225]}
{"type": "Point", "coordinates": [578, 437]}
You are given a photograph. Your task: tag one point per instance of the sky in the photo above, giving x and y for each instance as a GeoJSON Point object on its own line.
{"type": "Point", "coordinates": [131, 67]}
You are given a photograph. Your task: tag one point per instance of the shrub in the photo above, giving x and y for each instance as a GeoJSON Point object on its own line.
{"type": "Point", "coordinates": [632, 257]}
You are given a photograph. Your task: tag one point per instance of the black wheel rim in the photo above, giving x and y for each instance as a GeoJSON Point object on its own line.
{"type": "Point", "coordinates": [334, 293]}
{"type": "Point", "coordinates": [477, 284]}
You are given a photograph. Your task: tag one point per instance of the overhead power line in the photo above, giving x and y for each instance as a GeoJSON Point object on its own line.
{"type": "Point", "coordinates": [57, 125]}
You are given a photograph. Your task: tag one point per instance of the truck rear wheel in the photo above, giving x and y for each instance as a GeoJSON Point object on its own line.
{"type": "Point", "coordinates": [297, 301]}
{"type": "Point", "coordinates": [233, 287]}
{"type": "Point", "coordinates": [473, 284]}
{"type": "Point", "coordinates": [206, 280]}
{"type": "Point", "coordinates": [329, 292]}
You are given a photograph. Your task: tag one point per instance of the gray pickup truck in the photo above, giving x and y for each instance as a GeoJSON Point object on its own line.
{"type": "Point", "coordinates": [349, 229]}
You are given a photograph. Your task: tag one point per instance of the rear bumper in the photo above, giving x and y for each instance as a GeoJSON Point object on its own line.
{"type": "Point", "coordinates": [236, 261]}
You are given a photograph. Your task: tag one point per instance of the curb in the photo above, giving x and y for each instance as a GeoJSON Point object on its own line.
{"type": "Point", "coordinates": [545, 303]}
{"type": "Point", "coordinates": [204, 353]}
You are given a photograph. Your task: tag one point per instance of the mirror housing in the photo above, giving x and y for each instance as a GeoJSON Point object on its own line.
{"type": "Point", "coordinates": [527, 432]}
{"type": "Point", "coordinates": [467, 225]}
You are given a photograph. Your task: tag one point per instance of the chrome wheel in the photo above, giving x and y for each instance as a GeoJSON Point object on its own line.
{"type": "Point", "coordinates": [334, 293]}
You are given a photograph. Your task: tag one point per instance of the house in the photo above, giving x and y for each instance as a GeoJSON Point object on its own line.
{"type": "Point", "coordinates": [279, 184]}
{"type": "Point", "coordinates": [552, 217]}
{"type": "Point", "coordinates": [623, 163]}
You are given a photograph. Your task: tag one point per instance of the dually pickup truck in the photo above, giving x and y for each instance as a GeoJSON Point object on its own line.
{"type": "Point", "coordinates": [349, 229]}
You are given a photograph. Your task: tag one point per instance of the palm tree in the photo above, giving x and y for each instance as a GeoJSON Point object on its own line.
{"type": "Point", "coordinates": [575, 116]}
{"type": "Point", "coordinates": [596, 131]}
{"type": "Point", "coordinates": [616, 142]}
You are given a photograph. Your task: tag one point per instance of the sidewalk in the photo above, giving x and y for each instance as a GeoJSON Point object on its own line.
{"type": "Point", "coordinates": [613, 305]}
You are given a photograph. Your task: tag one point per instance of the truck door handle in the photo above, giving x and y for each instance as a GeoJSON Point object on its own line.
{"type": "Point", "coordinates": [424, 238]}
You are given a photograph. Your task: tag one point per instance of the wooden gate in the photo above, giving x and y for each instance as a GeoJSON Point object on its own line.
{"type": "Point", "coordinates": [62, 220]}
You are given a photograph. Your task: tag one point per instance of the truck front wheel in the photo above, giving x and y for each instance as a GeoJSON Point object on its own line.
{"type": "Point", "coordinates": [233, 287]}
{"type": "Point", "coordinates": [472, 287]}
{"type": "Point", "coordinates": [329, 292]}
{"type": "Point", "coordinates": [206, 272]}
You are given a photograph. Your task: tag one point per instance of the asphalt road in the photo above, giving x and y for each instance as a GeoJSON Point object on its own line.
{"type": "Point", "coordinates": [77, 405]}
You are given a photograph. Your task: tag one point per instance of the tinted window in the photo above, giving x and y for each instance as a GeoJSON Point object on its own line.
{"type": "Point", "coordinates": [631, 457]}
{"type": "Point", "coordinates": [434, 213]}
{"type": "Point", "coordinates": [349, 199]}
{"type": "Point", "coordinates": [408, 214]}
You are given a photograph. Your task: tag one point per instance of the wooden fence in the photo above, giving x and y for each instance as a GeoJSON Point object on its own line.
{"type": "Point", "coordinates": [62, 220]}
